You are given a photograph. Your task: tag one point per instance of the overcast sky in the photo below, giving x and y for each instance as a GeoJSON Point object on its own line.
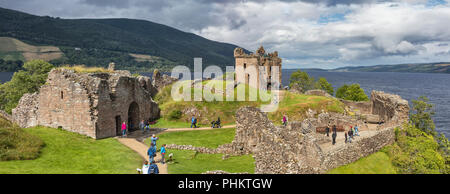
{"type": "Point", "coordinates": [306, 33]}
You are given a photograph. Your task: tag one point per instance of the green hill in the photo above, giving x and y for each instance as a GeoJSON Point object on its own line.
{"type": "Point", "coordinates": [441, 67]}
{"type": "Point", "coordinates": [132, 44]}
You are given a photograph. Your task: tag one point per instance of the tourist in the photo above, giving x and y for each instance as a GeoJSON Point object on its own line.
{"type": "Point", "coordinates": [345, 133]}
{"type": "Point", "coordinates": [193, 120]}
{"type": "Point", "coordinates": [218, 123]}
{"type": "Point", "coordinates": [147, 126]}
{"type": "Point", "coordinates": [145, 168]}
{"type": "Point", "coordinates": [327, 130]}
{"type": "Point", "coordinates": [284, 120]}
{"type": "Point", "coordinates": [153, 140]}
{"type": "Point", "coordinates": [124, 129]}
{"type": "Point", "coordinates": [213, 123]}
{"type": "Point", "coordinates": [334, 135]}
{"type": "Point", "coordinates": [334, 129]}
{"type": "Point", "coordinates": [356, 130]}
{"type": "Point", "coordinates": [142, 126]}
{"type": "Point", "coordinates": [163, 153]}
{"type": "Point", "coordinates": [151, 152]}
{"type": "Point", "coordinates": [350, 135]}
{"type": "Point", "coordinates": [153, 168]}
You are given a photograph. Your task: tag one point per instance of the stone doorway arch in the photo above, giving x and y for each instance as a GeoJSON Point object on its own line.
{"type": "Point", "coordinates": [133, 116]}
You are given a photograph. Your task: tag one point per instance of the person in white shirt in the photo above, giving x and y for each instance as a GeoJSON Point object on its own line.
{"type": "Point", "coordinates": [145, 168]}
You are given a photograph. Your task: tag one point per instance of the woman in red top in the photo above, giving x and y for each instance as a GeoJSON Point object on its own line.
{"type": "Point", "coordinates": [124, 129]}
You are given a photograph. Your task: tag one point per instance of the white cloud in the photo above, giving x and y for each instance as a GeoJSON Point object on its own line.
{"type": "Point", "coordinates": [327, 34]}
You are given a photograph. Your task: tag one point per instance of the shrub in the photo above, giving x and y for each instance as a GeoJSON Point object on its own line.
{"type": "Point", "coordinates": [415, 152]}
{"type": "Point", "coordinates": [352, 92]}
{"type": "Point", "coordinates": [175, 114]}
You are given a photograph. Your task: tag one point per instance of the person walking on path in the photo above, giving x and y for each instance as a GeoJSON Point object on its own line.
{"type": "Point", "coordinates": [356, 130]}
{"type": "Point", "coordinates": [350, 135]}
{"type": "Point", "coordinates": [345, 136]}
{"type": "Point", "coordinates": [153, 140]}
{"type": "Point", "coordinates": [153, 168]}
{"type": "Point", "coordinates": [163, 153]}
{"type": "Point", "coordinates": [194, 122]}
{"type": "Point", "coordinates": [334, 129]}
{"type": "Point", "coordinates": [124, 129]}
{"type": "Point", "coordinates": [147, 126]}
{"type": "Point", "coordinates": [151, 152]}
{"type": "Point", "coordinates": [284, 120]}
{"type": "Point", "coordinates": [327, 130]}
{"type": "Point", "coordinates": [142, 126]}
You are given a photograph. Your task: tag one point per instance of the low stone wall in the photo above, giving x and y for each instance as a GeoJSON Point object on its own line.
{"type": "Point", "coordinates": [6, 116]}
{"type": "Point", "coordinates": [223, 149]}
{"type": "Point", "coordinates": [318, 93]}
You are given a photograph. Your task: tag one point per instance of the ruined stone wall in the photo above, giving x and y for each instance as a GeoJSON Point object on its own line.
{"type": "Point", "coordinates": [245, 64]}
{"type": "Point", "coordinates": [295, 148]}
{"type": "Point", "coordinates": [65, 101]}
{"type": "Point", "coordinates": [318, 93]}
{"type": "Point", "coordinates": [389, 107]}
{"type": "Point", "coordinates": [93, 104]}
{"type": "Point", "coordinates": [25, 114]}
{"type": "Point", "coordinates": [363, 107]}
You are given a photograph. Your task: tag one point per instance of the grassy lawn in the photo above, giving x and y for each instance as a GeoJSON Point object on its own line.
{"type": "Point", "coordinates": [70, 153]}
{"type": "Point", "coordinates": [187, 162]}
{"type": "Point", "coordinates": [165, 123]}
{"type": "Point", "coordinates": [203, 138]}
{"type": "Point", "coordinates": [377, 163]}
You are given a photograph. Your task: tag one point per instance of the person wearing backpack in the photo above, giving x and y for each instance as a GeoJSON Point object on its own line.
{"type": "Point", "coordinates": [153, 168]}
{"type": "Point", "coordinates": [151, 152]}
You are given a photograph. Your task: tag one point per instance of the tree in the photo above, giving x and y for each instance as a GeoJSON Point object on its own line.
{"type": "Point", "coordinates": [421, 115]}
{"type": "Point", "coordinates": [324, 85]}
{"type": "Point", "coordinates": [303, 80]}
{"type": "Point", "coordinates": [353, 92]}
{"type": "Point", "coordinates": [24, 81]}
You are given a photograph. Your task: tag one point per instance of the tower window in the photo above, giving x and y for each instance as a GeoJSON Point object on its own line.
{"type": "Point", "coordinates": [245, 65]}
{"type": "Point", "coordinates": [62, 95]}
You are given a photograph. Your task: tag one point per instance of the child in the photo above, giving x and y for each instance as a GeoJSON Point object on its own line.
{"type": "Point", "coordinates": [163, 153]}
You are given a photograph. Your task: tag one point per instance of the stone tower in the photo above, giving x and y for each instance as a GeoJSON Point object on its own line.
{"type": "Point", "coordinates": [257, 68]}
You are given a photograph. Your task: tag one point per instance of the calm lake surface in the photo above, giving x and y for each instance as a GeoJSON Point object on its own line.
{"type": "Point", "coordinates": [408, 85]}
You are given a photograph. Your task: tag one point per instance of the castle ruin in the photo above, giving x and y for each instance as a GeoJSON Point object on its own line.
{"type": "Point", "coordinates": [256, 69]}
{"type": "Point", "coordinates": [93, 104]}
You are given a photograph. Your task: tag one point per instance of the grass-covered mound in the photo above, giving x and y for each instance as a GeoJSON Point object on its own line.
{"type": "Point", "coordinates": [71, 153]}
{"type": "Point", "coordinates": [16, 144]}
{"type": "Point", "coordinates": [190, 162]}
{"type": "Point", "coordinates": [172, 111]}
{"type": "Point", "coordinates": [293, 105]}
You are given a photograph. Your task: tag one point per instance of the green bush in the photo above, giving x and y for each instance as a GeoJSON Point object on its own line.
{"type": "Point", "coordinates": [175, 114]}
{"type": "Point", "coordinates": [416, 152]}
{"type": "Point", "coordinates": [23, 81]}
{"type": "Point", "coordinates": [351, 92]}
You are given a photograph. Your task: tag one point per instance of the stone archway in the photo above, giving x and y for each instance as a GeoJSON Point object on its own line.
{"type": "Point", "coordinates": [133, 116]}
